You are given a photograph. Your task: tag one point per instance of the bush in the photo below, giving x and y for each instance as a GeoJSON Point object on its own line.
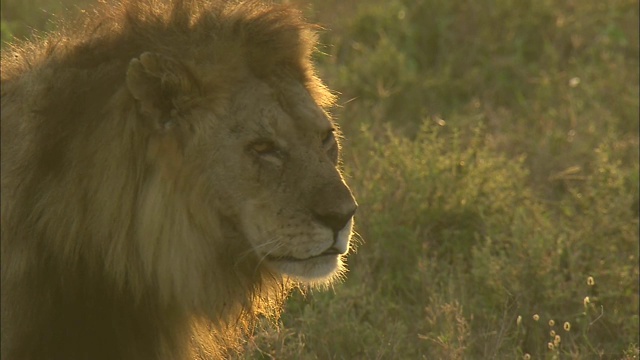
{"type": "Point", "coordinates": [458, 247]}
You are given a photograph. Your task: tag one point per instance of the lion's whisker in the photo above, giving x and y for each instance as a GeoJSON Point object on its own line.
{"type": "Point", "coordinates": [265, 255]}
{"type": "Point", "coordinates": [257, 248]}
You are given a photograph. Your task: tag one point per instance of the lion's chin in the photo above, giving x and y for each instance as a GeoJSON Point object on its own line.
{"type": "Point", "coordinates": [316, 269]}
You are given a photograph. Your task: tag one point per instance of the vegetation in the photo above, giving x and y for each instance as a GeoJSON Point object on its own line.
{"type": "Point", "coordinates": [493, 148]}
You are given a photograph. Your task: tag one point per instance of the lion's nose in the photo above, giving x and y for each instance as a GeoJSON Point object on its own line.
{"type": "Point", "coordinates": [333, 205]}
{"type": "Point", "coordinates": [335, 220]}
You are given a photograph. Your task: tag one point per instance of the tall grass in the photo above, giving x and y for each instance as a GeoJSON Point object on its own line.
{"type": "Point", "coordinates": [493, 148]}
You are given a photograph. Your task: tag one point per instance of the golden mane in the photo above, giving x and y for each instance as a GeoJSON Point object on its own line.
{"type": "Point", "coordinates": [265, 38]}
{"type": "Point", "coordinates": [67, 129]}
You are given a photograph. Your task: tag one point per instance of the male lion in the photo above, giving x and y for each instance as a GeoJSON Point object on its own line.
{"type": "Point", "coordinates": [168, 171]}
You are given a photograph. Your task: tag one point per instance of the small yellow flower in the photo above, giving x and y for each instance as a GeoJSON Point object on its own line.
{"type": "Point", "coordinates": [574, 81]}
{"type": "Point", "coordinates": [536, 317]}
{"type": "Point", "coordinates": [567, 326]}
{"type": "Point", "coordinates": [556, 340]}
{"type": "Point", "coordinates": [519, 320]}
{"type": "Point", "coordinates": [586, 301]}
{"type": "Point", "coordinates": [526, 357]}
{"type": "Point", "coordinates": [551, 322]}
{"type": "Point", "coordinates": [550, 345]}
{"type": "Point", "coordinates": [552, 333]}
{"type": "Point", "coordinates": [591, 281]}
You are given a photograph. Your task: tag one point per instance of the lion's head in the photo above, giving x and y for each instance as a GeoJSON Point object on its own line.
{"type": "Point", "coordinates": [168, 157]}
{"type": "Point", "coordinates": [264, 163]}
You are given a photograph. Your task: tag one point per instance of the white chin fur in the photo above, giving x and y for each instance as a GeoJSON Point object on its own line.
{"type": "Point", "coordinates": [318, 269]}
{"type": "Point", "coordinates": [342, 240]}
{"type": "Point", "coordinates": [315, 270]}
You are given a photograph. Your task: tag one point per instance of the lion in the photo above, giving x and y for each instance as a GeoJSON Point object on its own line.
{"type": "Point", "coordinates": [170, 171]}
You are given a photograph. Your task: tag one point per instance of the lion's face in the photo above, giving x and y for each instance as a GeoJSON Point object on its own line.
{"type": "Point", "coordinates": [274, 159]}
{"type": "Point", "coordinates": [254, 169]}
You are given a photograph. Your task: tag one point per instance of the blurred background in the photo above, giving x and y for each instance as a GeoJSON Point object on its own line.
{"type": "Point", "coordinates": [493, 148]}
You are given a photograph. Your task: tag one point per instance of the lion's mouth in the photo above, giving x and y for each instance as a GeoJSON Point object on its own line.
{"type": "Point", "coordinates": [329, 252]}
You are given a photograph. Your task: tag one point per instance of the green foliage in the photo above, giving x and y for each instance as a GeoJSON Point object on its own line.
{"type": "Point", "coordinates": [20, 18]}
{"type": "Point", "coordinates": [550, 69]}
{"type": "Point", "coordinates": [458, 246]}
{"type": "Point", "coordinates": [493, 148]}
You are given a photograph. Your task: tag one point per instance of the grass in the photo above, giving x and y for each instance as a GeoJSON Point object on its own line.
{"type": "Point", "coordinates": [493, 148]}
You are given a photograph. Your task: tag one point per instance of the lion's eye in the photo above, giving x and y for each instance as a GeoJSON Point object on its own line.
{"type": "Point", "coordinates": [264, 147]}
{"type": "Point", "coordinates": [328, 138]}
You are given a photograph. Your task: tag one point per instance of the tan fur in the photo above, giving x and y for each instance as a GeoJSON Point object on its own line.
{"type": "Point", "coordinates": [168, 173]}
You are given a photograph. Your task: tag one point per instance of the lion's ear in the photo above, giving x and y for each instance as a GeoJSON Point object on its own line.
{"type": "Point", "coordinates": [158, 83]}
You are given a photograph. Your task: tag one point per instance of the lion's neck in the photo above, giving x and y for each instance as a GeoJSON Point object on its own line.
{"type": "Point", "coordinates": [80, 318]}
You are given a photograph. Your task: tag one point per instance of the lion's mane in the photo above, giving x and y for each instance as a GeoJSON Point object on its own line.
{"type": "Point", "coordinates": [91, 239]}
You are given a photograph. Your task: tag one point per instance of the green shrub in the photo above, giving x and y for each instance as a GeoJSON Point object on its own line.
{"type": "Point", "coordinates": [548, 78]}
{"type": "Point", "coordinates": [457, 246]}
